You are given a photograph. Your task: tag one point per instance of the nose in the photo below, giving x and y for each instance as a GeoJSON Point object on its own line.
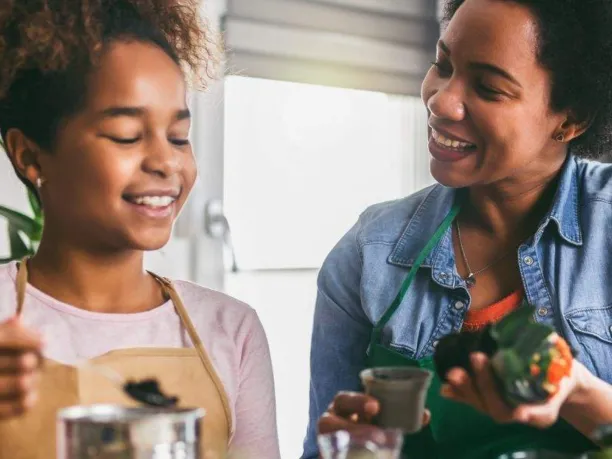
{"type": "Point", "coordinates": [162, 159]}
{"type": "Point", "coordinates": [446, 102]}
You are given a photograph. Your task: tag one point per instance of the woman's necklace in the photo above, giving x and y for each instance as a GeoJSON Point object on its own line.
{"type": "Point", "coordinates": [470, 280]}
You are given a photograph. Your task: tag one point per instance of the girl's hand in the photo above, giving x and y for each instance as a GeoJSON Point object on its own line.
{"type": "Point", "coordinates": [20, 351]}
{"type": "Point", "coordinates": [481, 392]}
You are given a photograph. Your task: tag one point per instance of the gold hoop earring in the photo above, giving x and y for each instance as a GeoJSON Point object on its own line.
{"type": "Point", "coordinates": [560, 137]}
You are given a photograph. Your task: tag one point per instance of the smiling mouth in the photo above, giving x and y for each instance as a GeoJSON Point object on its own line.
{"type": "Point", "coordinates": [154, 202]}
{"type": "Point", "coordinates": [456, 145]}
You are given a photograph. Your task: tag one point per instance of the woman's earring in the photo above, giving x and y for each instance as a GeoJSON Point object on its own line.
{"type": "Point", "coordinates": [560, 137]}
{"type": "Point", "coordinates": [40, 182]}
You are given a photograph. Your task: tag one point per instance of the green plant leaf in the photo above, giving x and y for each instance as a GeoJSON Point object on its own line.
{"type": "Point", "coordinates": [511, 327]}
{"type": "Point", "coordinates": [533, 339]}
{"type": "Point", "coordinates": [18, 248]}
{"type": "Point", "coordinates": [35, 206]}
{"type": "Point", "coordinates": [508, 365]}
{"type": "Point", "coordinates": [21, 222]}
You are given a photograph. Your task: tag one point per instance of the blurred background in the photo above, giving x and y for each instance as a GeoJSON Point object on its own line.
{"type": "Point", "coordinates": [319, 116]}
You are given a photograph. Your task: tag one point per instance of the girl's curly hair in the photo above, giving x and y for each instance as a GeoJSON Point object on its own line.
{"type": "Point", "coordinates": [49, 35]}
{"type": "Point", "coordinates": [48, 47]}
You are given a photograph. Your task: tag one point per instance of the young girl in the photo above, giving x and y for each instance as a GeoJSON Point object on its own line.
{"type": "Point", "coordinates": [93, 116]}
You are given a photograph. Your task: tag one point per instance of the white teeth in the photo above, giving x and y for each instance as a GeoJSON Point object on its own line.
{"type": "Point", "coordinates": [154, 201]}
{"type": "Point", "coordinates": [449, 143]}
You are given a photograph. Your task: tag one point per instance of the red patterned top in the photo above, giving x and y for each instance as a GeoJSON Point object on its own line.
{"type": "Point", "coordinates": [476, 320]}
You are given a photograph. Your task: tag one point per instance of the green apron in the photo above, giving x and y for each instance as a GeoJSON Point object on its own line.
{"type": "Point", "coordinates": [456, 430]}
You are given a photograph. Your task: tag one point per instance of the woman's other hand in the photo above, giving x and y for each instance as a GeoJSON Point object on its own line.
{"type": "Point", "coordinates": [20, 350]}
{"type": "Point", "coordinates": [481, 392]}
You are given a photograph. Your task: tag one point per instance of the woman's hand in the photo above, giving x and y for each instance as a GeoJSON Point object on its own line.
{"type": "Point", "coordinates": [20, 351]}
{"type": "Point", "coordinates": [481, 392]}
{"type": "Point", "coordinates": [353, 411]}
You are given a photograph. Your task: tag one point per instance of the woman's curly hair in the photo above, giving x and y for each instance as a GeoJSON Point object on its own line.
{"type": "Point", "coordinates": [48, 47]}
{"type": "Point", "coordinates": [575, 45]}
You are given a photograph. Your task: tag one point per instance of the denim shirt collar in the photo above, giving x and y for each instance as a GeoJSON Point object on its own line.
{"type": "Point", "coordinates": [565, 211]}
{"type": "Point", "coordinates": [437, 204]}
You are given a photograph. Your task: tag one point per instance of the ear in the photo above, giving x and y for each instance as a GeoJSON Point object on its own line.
{"type": "Point", "coordinates": [24, 154]}
{"type": "Point", "coordinates": [573, 127]}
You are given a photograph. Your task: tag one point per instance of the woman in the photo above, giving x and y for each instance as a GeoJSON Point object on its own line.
{"type": "Point", "coordinates": [94, 118]}
{"type": "Point", "coordinates": [519, 91]}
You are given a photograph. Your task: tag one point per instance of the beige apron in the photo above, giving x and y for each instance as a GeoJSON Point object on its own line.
{"type": "Point", "coordinates": [184, 372]}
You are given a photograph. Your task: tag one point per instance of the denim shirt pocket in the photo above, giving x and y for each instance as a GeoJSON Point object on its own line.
{"type": "Point", "coordinates": [593, 331]}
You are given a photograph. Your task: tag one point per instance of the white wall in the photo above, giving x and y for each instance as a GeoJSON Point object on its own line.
{"type": "Point", "coordinates": [12, 194]}
{"type": "Point", "coordinates": [284, 301]}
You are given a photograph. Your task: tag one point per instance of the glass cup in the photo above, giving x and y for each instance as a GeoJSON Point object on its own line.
{"type": "Point", "coordinates": [401, 392]}
{"type": "Point", "coordinates": [366, 444]}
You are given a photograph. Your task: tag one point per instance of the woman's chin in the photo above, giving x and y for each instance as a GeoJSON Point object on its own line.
{"type": "Point", "coordinates": [449, 176]}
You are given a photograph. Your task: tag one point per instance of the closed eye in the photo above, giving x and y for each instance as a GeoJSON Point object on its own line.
{"type": "Point", "coordinates": [180, 142]}
{"type": "Point", "coordinates": [489, 92]}
{"type": "Point", "coordinates": [443, 69]}
{"type": "Point", "coordinates": [123, 140]}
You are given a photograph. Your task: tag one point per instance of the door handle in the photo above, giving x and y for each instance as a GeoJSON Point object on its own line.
{"type": "Point", "coordinates": [217, 227]}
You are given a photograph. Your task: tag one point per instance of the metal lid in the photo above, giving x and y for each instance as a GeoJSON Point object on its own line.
{"type": "Point", "coordinates": [105, 414]}
{"type": "Point", "coordinates": [142, 425]}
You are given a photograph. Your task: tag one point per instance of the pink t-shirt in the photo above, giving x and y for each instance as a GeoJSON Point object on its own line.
{"type": "Point", "coordinates": [230, 330]}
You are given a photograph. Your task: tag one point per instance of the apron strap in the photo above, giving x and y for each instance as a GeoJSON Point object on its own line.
{"type": "Point", "coordinates": [170, 291]}
{"type": "Point", "coordinates": [380, 325]}
{"type": "Point", "coordinates": [21, 284]}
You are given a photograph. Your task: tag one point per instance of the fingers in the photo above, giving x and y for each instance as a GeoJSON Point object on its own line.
{"type": "Point", "coordinates": [14, 362]}
{"type": "Point", "coordinates": [20, 351]}
{"type": "Point", "coordinates": [544, 415]}
{"type": "Point", "coordinates": [460, 388]}
{"type": "Point", "coordinates": [355, 407]}
{"type": "Point", "coordinates": [426, 417]}
{"type": "Point", "coordinates": [17, 394]}
{"type": "Point", "coordinates": [14, 336]}
{"type": "Point", "coordinates": [329, 423]}
{"type": "Point", "coordinates": [480, 390]}
{"type": "Point", "coordinates": [15, 386]}
{"type": "Point", "coordinates": [350, 411]}
{"type": "Point", "coordinates": [17, 405]}
{"type": "Point", "coordinates": [493, 404]}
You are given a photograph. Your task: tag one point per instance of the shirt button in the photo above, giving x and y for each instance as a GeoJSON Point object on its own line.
{"type": "Point", "coordinates": [542, 312]}
{"type": "Point", "coordinates": [435, 343]}
{"type": "Point", "coordinates": [459, 305]}
{"type": "Point", "coordinates": [528, 261]}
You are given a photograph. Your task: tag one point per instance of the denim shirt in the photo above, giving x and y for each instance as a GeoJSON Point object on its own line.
{"type": "Point", "coordinates": [566, 270]}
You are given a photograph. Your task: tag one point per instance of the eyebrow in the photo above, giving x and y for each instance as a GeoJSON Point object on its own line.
{"type": "Point", "coordinates": [493, 69]}
{"type": "Point", "coordinates": [484, 66]}
{"type": "Point", "coordinates": [443, 47]}
{"type": "Point", "coordinates": [138, 112]}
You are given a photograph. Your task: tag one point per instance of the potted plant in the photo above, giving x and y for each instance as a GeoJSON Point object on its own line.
{"type": "Point", "coordinates": [24, 232]}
